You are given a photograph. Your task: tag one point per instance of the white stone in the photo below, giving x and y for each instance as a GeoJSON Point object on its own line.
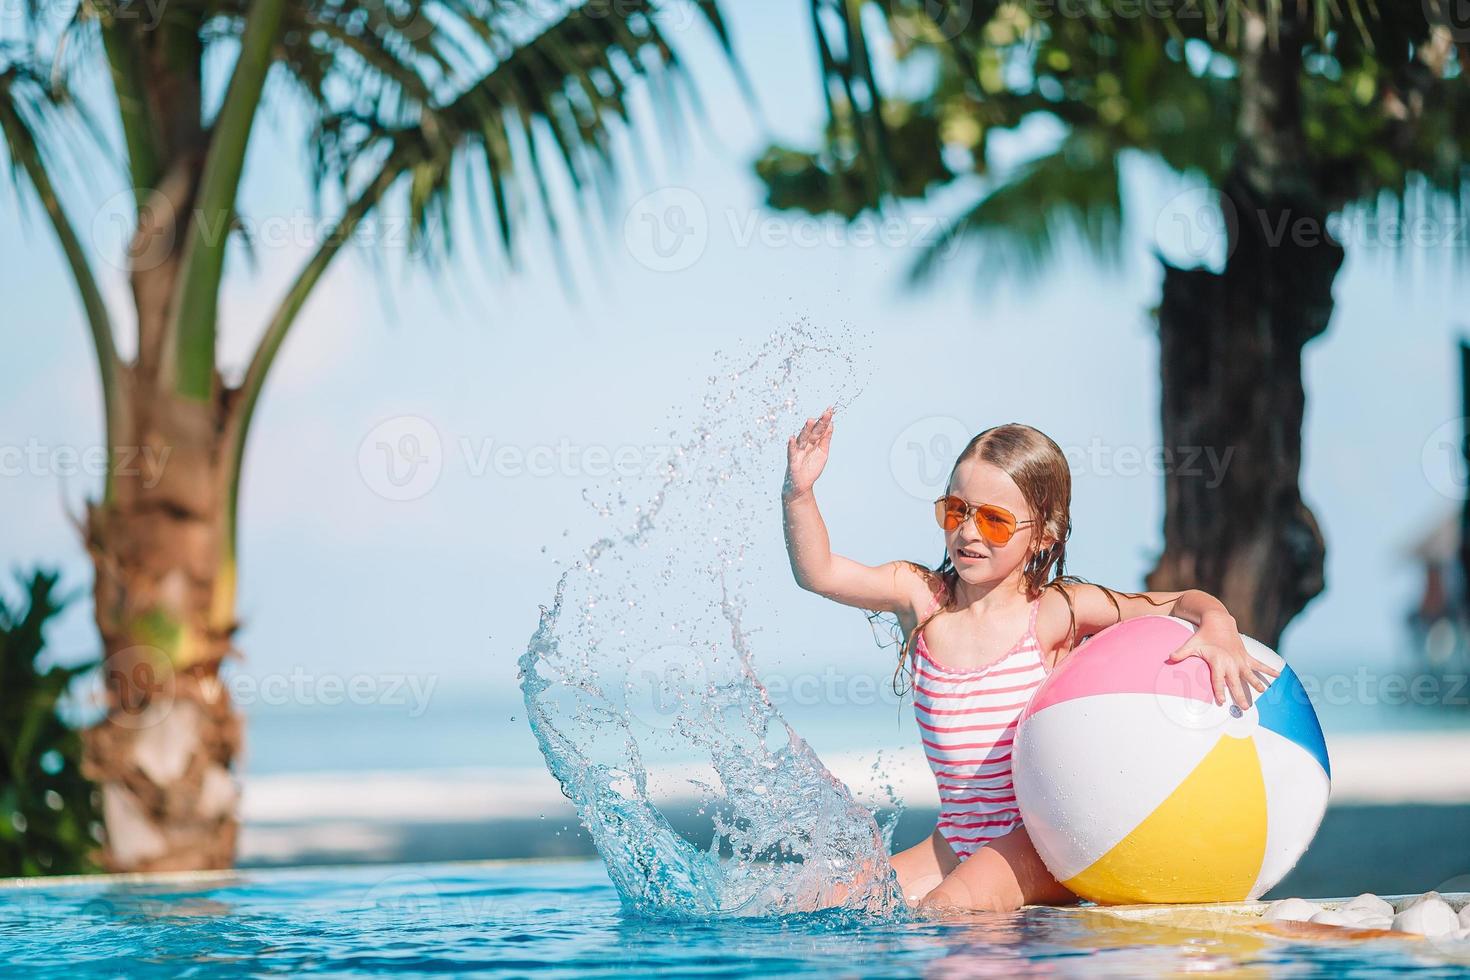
{"type": "Point", "coordinates": [1368, 904]}
{"type": "Point", "coordinates": [1414, 900]}
{"type": "Point", "coordinates": [1330, 917]}
{"type": "Point", "coordinates": [1290, 910]}
{"type": "Point", "coordinates": [1465, 916]}
{"type": "Point", "coordinates": [1428, 917]}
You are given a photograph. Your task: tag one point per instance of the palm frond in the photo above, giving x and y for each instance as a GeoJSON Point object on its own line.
{"type": "Point", "coordinates": [31, 122]}
{"type": "Point", "coordinates": [1019, 226]}
{"type": "Point", "coordinates": [567, 86]}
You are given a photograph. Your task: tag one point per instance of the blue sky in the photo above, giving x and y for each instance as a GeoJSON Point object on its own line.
{"type": "Point", "coordinates": [336, 577]}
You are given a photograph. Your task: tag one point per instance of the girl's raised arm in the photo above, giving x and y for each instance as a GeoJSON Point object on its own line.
{"type": "Point", "coordinates": [892, 587]}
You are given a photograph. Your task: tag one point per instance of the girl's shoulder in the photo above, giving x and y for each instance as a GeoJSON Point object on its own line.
{"type": "Point", "coordinates": [925, 588]}
{"type": "Point", "coordinates": [1071, 610]}
{"type": "Point", "coordinates": [1056, 620]}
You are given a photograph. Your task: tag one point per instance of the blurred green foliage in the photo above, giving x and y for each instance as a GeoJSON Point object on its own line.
{"type": "Point", "coordinates": [1380, 103]}
{"type": "Point", "coordinates": [48, 810]}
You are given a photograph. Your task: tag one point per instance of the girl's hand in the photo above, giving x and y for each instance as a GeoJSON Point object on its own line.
{"type": "Point", "coordinates": [806, 454]}
{"type": "Point", "coordinates": [1219, 645]}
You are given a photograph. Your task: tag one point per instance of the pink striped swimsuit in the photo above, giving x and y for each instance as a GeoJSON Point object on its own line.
{"type": "Point", "coordinates": [967, 721]}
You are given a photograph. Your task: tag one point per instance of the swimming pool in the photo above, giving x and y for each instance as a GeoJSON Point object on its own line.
{"type": "Point", "coordinates": [563, 918]}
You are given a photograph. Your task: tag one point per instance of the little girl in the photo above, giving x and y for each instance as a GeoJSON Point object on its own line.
{"type": "Point", "coordinates": [1006, 522]}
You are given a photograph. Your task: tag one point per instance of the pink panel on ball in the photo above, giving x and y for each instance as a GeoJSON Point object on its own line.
{"type": "Point", "coordinates": [1128, 658]}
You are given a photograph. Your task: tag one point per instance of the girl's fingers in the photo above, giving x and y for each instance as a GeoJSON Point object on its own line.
{"type": "Point", "coordinates": [1217, 676]}
{"type": "Point", "coordinates": [815, 427]}
{"type": "Point", "coordinates": [1266, 669]}
{"type": "Point", "coordinates": [1240, 691]}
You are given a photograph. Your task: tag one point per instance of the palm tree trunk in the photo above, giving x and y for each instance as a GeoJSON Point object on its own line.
{"type": "Point", "coordinates": [1231, 357]}
{"type": "Point", "coordinates": [164, 605]}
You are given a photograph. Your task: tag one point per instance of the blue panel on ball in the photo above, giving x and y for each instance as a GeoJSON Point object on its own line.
{"type": "Point", "coordinates": [1286, 710]}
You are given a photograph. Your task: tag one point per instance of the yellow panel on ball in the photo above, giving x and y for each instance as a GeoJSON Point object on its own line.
{"type": "Point", "coordinates": [1204, 843]}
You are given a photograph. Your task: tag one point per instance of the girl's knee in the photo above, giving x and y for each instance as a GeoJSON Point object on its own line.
{"type": "Point", "coordinates": [956, 896]}
{"type": "Point", "coordinates": [916, 889]}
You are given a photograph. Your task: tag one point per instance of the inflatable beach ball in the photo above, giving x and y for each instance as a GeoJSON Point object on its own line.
{"type": "Point", "coordinates": [1136, 787]}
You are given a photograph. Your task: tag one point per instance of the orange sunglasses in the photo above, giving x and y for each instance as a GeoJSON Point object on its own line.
{"type": "Point", "coordinates": [995, 524]}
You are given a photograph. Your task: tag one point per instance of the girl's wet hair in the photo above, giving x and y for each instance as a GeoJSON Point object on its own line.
{"type": "Point", "coordinates": [1039, 469]}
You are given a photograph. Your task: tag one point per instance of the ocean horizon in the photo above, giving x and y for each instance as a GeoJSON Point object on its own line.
{"type": "Point", "coordinates": [452, 724]}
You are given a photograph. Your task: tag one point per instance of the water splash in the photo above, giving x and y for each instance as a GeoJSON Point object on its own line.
{"type": "Point", "coordinates": [643, 658]}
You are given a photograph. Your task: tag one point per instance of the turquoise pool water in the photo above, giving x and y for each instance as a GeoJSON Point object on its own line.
{"type": "Point", "coordinates": [553, 919]}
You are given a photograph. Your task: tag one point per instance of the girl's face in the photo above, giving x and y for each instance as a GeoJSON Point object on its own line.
{"type": "Point", "coordinates": [977, 561]}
